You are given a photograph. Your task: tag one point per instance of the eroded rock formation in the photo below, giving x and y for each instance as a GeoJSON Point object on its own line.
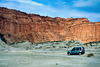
{"type": "Point", "coordinates": [19, 26]}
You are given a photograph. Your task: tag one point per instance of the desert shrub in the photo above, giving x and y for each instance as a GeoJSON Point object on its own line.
{"type": "Point", "coordinates": [28, 47]}
{"type": "Point", "coordinates": [65, 47]}
{"type": "Point", "coordinates": [90, 54]}
{"type": "Point", "coordinates": [56, 63]}
{"type": "Point", "coordinates": [53, 46]}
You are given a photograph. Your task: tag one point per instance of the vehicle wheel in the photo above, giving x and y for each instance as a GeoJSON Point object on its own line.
{"type": "Point", "coordinates": [79, 53]}
{"type": "Point", "coordinates": [69, 53]}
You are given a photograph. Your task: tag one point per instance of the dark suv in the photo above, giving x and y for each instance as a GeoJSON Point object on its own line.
{"type": "Point", "coordinates": [76, 51]}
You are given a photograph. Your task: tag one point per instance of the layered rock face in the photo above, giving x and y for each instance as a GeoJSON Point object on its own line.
{"type": "Point", "coordinates": [19, 26]}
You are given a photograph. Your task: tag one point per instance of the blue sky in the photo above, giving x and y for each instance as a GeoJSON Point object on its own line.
{"type": "Point", "coordinates": [57, 8]}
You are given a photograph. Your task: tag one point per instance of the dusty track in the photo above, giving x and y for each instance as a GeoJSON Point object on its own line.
{"type": "Point", "coordinates": [41, 58]}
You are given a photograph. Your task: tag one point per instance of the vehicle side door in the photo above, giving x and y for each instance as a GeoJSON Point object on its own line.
{"type": "Point", "coordinates": [78, 50]}
{"type": "Point", "coordinates": [73, 51]}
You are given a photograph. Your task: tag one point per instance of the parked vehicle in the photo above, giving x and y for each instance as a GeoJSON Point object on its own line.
{"type": "Point", "coordinates": [76, 51]}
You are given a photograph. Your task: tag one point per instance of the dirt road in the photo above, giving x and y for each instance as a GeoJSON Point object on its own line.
{"type": "Point", "coordinates": [48, 59]}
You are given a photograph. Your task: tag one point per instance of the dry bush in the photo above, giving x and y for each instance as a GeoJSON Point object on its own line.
{"type": "Point", "coordinates": [90, 54]}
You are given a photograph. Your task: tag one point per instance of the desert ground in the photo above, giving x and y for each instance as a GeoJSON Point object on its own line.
{"type": "Point", "coordinates": [47, 57]}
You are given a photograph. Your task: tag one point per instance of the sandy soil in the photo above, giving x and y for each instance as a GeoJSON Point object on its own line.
{"type": "Point", "coordinates": [48, 58]}
{"type": "Point", "coordinates": [45, 55]}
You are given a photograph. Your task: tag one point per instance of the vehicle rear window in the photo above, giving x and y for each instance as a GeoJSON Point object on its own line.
{"type": "Point", "coordinates": [78, 49]}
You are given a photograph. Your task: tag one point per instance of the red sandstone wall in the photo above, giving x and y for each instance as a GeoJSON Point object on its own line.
{"type": "Point", "coordinates": [19, 26]}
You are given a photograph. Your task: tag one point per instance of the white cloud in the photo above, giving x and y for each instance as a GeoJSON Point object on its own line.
{"type": "Point", "coordinates": [27, 1]}
{"type": "Point", "coordinates": [93, 17]}
{"type": "Point", "coordinates": [68, 12]}
{"type": "Point", "coordinates": [30, 2]}
{"type": "Point", "coordinates": [6, 4]}
{"type": "Point", "coordinates": [47, 10]}
{"type": "Point", "coordinates": [84, 3]}
{"type": "Point", "coordinates": [29, 7]}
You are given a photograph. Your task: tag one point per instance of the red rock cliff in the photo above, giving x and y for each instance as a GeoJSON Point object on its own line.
{"type": "Point", "coordinates": [19, 26]}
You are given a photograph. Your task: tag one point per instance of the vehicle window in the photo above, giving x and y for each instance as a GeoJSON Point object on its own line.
{"type": "Point", "coordinates": [73, 49]}
{"type": "Point", "coordinates": [77, 49]}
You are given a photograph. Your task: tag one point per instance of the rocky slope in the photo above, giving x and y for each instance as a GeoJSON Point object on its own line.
{"type": "Point", "coordinates": [19, 26]}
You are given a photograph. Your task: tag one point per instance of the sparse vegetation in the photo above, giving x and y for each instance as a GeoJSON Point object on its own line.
{"type": "Point", "coordinates": [90, 54]}
{"type": "Point", "coordinates": [56, 63]}
{"type": "Point", "coordinates": [45, 45]}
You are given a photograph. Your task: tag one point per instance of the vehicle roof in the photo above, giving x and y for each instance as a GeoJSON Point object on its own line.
{"type": "Point", "coordinates": [78, 47]}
